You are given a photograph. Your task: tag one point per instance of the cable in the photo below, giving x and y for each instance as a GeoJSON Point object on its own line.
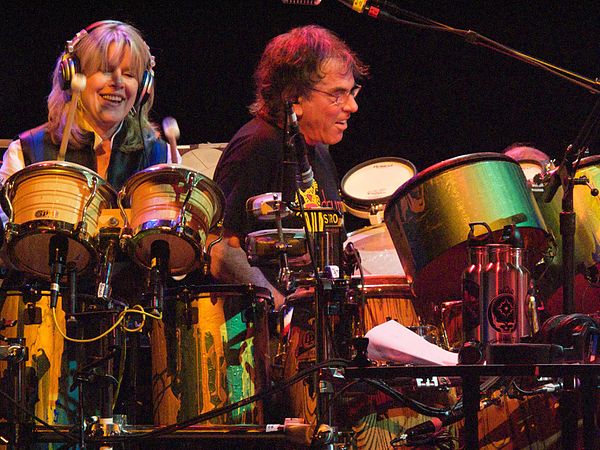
{"type": "Point", "coordinates": [138, 309]}
{"type": "Point", "coordinates": [225, 409]}
{"type": "Point", "coordinates": [415, 405]}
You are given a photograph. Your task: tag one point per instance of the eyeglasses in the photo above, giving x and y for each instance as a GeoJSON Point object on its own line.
{"type": "Point", "coordinates": [341, 97]}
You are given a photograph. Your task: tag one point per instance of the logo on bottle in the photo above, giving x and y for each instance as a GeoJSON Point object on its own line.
{"type": "Point", "coordinates": [502, 314]}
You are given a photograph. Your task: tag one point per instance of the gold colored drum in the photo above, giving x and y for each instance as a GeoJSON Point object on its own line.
{"type": "Point", "coordinates": [211, 349]}
{"type": "Point", "coordinates": [48, 372]}
{"type": "Point", "coordinates": [173, 204]}
{"type": "Point", "coordinates": [49, 198]}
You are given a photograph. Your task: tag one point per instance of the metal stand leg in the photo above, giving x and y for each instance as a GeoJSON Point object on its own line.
{"type": "Point", "coordinates": [471, 398]}
{"type": "Point", "coordinates": [590, 430]}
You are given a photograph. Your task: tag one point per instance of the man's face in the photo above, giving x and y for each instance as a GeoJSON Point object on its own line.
{"type": "Point", "coordinates": [320, 119]}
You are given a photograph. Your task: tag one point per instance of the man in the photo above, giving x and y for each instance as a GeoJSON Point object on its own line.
{"type": "Point", "coordinates": [315, 70]}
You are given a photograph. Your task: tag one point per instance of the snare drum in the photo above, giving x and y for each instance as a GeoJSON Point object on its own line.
{"type": "Point", "coordinates": [173, 204]}
{"type": "Point", "coordinates": [367, 187]}
{"type": "Point", "coordinates": [211, 349]}
{"type": "Point", "coordinates": [49, 198]}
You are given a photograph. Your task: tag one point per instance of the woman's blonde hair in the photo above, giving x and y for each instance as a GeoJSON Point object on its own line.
{"type": "Point", "coordinates": [91, 52]}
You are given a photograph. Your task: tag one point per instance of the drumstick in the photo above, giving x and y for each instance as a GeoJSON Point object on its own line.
{"type": "Point", "coordinates": [171, 130]}
{"type": "Point", "coordinates": [77, 86]}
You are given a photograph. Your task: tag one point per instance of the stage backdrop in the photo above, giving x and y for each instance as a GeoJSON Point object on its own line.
{"type": "Point", "coordinates": [431, 95]}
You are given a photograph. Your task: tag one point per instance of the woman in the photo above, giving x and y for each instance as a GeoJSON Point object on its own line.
{"type": "Point", "coordinates": [111, 134]}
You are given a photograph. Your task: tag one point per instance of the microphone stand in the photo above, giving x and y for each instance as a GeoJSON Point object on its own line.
{"type": "Point", "coordinates": [324, 434]}
{"type": "Point", "coordinates": [565, 174]}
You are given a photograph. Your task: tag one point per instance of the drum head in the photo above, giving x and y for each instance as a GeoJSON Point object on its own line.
{"type": "Point", "coordinates": [531, 169]}
{"type": "Point", "coordinates": [377, 252]}
{"type": "Point", "coordinates": [369, 185]}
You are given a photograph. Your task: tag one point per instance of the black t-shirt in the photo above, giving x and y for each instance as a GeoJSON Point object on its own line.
{"type": "Point", "coordinates": [251, 165]}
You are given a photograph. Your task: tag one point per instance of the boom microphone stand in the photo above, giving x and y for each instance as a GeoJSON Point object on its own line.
{"type": "Point", "coordinates": [565, 174]}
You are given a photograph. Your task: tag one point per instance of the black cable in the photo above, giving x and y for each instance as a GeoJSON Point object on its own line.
{"type": "Point", "coordinates": [225, 409]}
{"type": "Point", "coordinates": [413, 404]}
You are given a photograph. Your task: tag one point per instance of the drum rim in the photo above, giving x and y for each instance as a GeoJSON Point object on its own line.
{"type": "Point", "coordinates": [366, 203]}
{"type": "Point", "coordinates": [61, 165]}
{"type": "Point", "coordinates": [182, 171]}
{"type": "Point", "coordinates": [588, 161]}
{"type": "Point", "coordinates": [445, 166]}
{"type": "Point", "coordinates": [48, 227]}
{"type": "Point", "coordinates": [162, 227]}
{"type": "Point", "coordinates": [376, 226]}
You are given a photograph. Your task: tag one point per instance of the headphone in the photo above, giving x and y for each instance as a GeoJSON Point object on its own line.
{"type": "Point", "coordinates": [577, 333]}
{"type": "Point", "coordinates": [69, 65]}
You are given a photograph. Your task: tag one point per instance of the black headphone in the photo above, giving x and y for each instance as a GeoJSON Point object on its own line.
{"type": "Point", "coordinates": [574, 332]}
{"type": "Point", "coordinates": [69, 65]}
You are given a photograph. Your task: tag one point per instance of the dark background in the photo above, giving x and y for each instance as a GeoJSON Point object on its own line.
{"type": "Point", "coordinates": [431, 95]}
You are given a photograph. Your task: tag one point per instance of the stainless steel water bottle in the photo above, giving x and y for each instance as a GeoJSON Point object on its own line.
{"type": "Point", "coordinates": [471, 280]}
{"type": "Point", "coordinates": [512, 237]}
{"type": "Point", "coordinates": [499, 309]}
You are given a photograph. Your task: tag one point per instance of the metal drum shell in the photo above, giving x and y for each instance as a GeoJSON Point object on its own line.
{"type": "Point", "coordinates": [155, 196]}
{"type": "Point", "coordinates": [371, 197]}
{"type": "Point", "coordinates": [428, 219]}
{"type": "Point", "coordinates": [49, 198]}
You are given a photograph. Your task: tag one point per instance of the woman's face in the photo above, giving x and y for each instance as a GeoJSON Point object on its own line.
{"type": "Point", "coordinates": [109, 96]}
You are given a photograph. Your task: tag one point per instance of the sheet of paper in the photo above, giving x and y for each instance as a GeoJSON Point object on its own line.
{"type": "Point", "coordinates": [392, 341]}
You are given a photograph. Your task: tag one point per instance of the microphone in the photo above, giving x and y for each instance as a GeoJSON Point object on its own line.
{"type": "Point", "coordinates": [304, 175]}
{"type": "Point", "coordinates": [106, 268]}
{"type": "Point", "coordinates": [58, 250]}
{"type": "Point", "coordinates": [302, 2]}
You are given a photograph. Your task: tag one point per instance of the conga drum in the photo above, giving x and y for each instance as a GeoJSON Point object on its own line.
{"type": "Point", "coordinates": [211, 350]}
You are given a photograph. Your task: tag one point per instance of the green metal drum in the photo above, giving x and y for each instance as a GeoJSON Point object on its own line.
{"type": "Point", "coordinates": [428, 218]}
{"type": "Point", "coordinates": [587, 243]}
